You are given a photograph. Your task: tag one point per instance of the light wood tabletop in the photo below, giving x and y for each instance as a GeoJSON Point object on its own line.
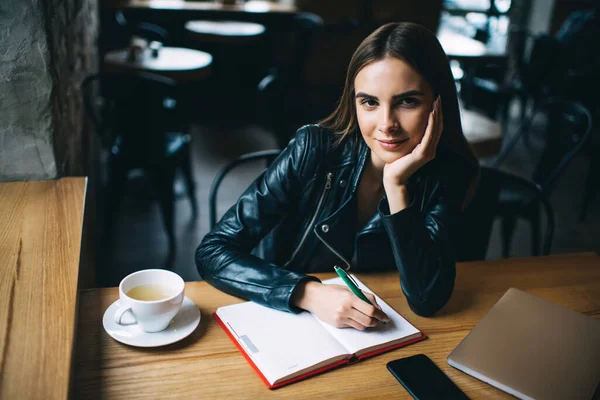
{"type": "Point", "coordinates": [40, 239]}
{"type": "Point", "coordinates": [178, 63]}
{"type": "Point", "coordinates": [207, 364]}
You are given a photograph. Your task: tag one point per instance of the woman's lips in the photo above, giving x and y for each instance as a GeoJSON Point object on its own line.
{"type": "Point", "coordinates": [391, 144]}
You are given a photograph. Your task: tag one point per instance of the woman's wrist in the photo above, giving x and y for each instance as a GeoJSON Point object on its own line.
{"type": "Point", "coordinates": [397, 197]}
{"type": "Point", "coordinates": [303, 294]}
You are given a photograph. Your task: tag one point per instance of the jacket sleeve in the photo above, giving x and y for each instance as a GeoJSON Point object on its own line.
{"type": "Point", "coordinates": [224, 257]}
{"type": "Point", "coordinates": [420, 238]}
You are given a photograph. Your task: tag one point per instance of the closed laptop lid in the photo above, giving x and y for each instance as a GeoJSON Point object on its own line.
{"type": "Point", "coordinates": [532, 348]}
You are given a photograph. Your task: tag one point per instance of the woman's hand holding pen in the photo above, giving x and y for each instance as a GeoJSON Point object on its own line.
{"type": "Point", "coordinates": [338, 306]}
{"type": "Point", "coordinates": [396, 174]}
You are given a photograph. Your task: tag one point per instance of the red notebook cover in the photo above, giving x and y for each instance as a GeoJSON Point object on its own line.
{"type": "Point", "coordinates": [350, 360]}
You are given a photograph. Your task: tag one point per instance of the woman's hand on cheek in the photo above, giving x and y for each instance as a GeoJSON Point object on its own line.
{"type": "Point", "coordinates": [396, 174]}
{"type": "Point", "coordinates": [338, 306]}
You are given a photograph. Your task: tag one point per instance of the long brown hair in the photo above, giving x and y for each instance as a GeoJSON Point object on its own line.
{"type": "Point", "coordinates": [420, 48]}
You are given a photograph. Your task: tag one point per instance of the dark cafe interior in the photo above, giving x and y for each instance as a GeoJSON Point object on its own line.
{"type": "Point", "coordinates": [129, 128]}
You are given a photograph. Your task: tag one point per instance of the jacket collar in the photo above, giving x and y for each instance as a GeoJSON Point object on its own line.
{"type": "Point", "coordinates": [354, 151]}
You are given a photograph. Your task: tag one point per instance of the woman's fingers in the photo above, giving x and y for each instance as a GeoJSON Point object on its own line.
{"type": "Point", "coordinates": [372, 299]}
{"type": "Point", "coordinates": [362, 320]}
{"type": "Point", "coordinates": [351, 323]}
{"type": "Point", "coordinates": [371, 311]}
{"type": "Point", "coordinates": [428, 136]}
{"type": "Point", "coordinates": [424, 151]}
{"type": "Point", "coordinates": [435, 127]}
{"type": "Point", "coordinates": [439, 123]}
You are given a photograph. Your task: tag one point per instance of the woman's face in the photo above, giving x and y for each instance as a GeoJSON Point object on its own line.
{"type": "Point", "coordinates": [393, 102]}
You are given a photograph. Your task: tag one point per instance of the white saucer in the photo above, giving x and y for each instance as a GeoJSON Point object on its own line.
{"type": "Point", "coordinates": [184, 323]}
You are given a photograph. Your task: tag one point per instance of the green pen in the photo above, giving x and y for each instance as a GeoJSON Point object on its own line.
{"type": "Point", "coordinates": [350, 283]}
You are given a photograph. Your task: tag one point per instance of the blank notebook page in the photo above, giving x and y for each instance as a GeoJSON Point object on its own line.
{"type": "Point", "coordinates": [279, 343]}
{"type": "Point", "coordinates": [355, 340]}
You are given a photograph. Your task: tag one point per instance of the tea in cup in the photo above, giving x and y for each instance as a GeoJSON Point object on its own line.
{"type": "Point", "coordinates": [153, 296]}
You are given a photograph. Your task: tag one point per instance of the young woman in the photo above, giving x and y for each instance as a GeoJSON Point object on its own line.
{"type": "Point", "coordinates": [378, 185]}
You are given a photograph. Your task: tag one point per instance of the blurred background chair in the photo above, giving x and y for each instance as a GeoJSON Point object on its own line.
{"type": "Point", "coordinates": [492, 91]}
{"type": "Point", "coordinates": [283, 103]}
{"type": "Point", "coordinates": [486, 206]}
{"type": "Point", "coordinates": [240, 60]}
{"type": "Point", "coordinates": [566, 129]}
{"type": "Point", "coordinates": [141, 29]}
{"type": "Point", "coordinates": [267, 155]}
{"type": "Point", "coordinates": [135, 115]}
{"type": "Point", "coordinates": [244, 160]}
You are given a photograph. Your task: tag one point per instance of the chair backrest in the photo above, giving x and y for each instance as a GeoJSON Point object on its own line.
{"type": "Point", "coordinates": [308, 27]}
{"type": "Point", "coordinates": [146, 30]}
{"type": "Point", "coordinates": [130, 107]}
{"type": "Point", "coordinates": [543, 58]}
{"type": "Point", "coordinates": [478, 218]}
{"type": "Point", "coordinates": [567, 126]}
{"type": "Point", "coordinates": [282, 96]}
{"type": "Point", "coordinates": [267, 155]}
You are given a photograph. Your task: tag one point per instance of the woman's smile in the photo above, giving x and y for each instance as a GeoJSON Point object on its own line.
{"type": "Point", "coordinates": [391, 144]}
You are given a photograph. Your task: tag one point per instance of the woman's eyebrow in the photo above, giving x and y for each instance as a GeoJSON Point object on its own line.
{"type": "Point", "coordinates": [395, 97]}
{"type": "Point", "coordinates": [407, 94]}
{"type": "Point", "coordinates": [365, 95]}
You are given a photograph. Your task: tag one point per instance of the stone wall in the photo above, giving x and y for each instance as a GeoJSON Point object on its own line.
{"type": "Point", "coordinates": [46, 48]}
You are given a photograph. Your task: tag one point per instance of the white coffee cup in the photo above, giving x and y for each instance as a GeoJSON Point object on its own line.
{"type": "Point", "coordinates": [151, 315]}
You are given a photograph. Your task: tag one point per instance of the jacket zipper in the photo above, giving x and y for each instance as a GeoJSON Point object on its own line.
{"type": "Point", "coordinates": [312, 221]}
{"type": "Point", "coordinates": [334, 251]}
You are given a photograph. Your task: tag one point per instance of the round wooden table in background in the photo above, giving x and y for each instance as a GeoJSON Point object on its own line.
{"type": "Point", "coordinates": [176, 63]}
{"type": "Point", "coordinates": [224, 31]}
{"type": "Point", "coordinates": [463, 48]}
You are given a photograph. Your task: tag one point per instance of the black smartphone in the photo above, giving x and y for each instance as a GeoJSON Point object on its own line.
{"type": "Point", "coordinates": [423, 379]}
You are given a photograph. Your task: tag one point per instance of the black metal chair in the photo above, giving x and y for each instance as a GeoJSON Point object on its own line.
{"type": "Point", "coordinates": [282, 94]}
{"type": "Point", "coordinates": [493, 94]}
{"type": "Point", "coordinates": [143, 29]}
{"type": "Point", "coordinates": [477, 221]}
{"type": "Point", "coordinates": [567, 129]}
{"type": "Point", "coordinates": [267, 155]}
{"type": "Point", "coordinates": [132, 113]}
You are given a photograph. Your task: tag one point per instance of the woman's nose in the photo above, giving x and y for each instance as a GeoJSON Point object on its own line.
{"type": "Point", "coordinates": [387, 122]}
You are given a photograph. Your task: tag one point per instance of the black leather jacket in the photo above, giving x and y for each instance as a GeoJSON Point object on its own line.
{"type": "Point", "coordinates": [303, 208]}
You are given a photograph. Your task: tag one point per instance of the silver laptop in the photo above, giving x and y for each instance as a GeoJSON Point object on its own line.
{"type": "Point", "coordinates": [533, 349]}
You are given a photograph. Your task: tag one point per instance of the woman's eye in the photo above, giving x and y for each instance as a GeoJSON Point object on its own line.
{"type": "Point", "coordinates": [369, 103]}
{"type": "Point", "coordinates": [408, 101]}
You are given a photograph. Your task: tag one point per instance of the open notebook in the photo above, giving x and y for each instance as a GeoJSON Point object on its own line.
{"type": "Point", "coordinates": [284, 348]}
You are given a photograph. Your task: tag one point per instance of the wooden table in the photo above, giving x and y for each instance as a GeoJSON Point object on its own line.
{"type": "Point", "coordinates": [208, 365]}
{"type": "Point", "coordinates": [483, 133]}
{"type": "Point", "coordinates": [237, 32]}
{"type": "Point", "coordinates": [40, 238]}
{"type": "Point", "coordinates": [464, 48]}
{"type": "Point", "coordinates": [177, 63]}
{"type": "Point", "coordinates": [252, 6]}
